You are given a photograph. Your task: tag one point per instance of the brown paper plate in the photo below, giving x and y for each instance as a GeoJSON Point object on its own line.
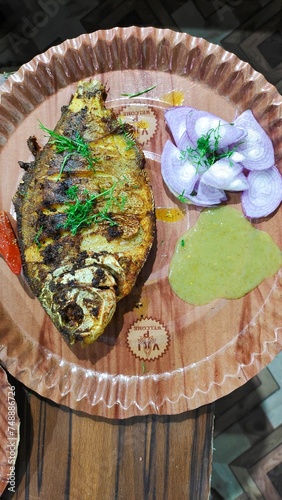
{"type": "Point", "coordinates": [159, 355]}
{"type": "Point", "coordinates": [9, 434]}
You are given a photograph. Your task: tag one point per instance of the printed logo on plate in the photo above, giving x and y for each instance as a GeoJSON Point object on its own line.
{"type": "Point", "coordinates": [143, 119]}
{"type": "Point", "coordinates": [147, 339]}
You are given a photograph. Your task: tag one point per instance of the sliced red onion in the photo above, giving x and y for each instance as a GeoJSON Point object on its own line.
{"type": "Point", "coordinates": [235, 157]}
{"type": "Point", "coordinates": [256, 147]}
{"type": "Point", "coordinates": [248, 148]}
{"type": "Point", "coordinates": [264, 194]}
{"type": "Point", "coordinates": [176, 120]}
{"type": "Point", "coordinates": [199, 123]}
{"type": "Point", "coordinates": [179, 176]}
{"type": "Point", "coordinates": [221, 173]}
{"type": "Point", "coordinates": [184, 142]}
{"type": "Point", "coordinates": [207, 195]}
{"type": "Point", "coordinates": [239, 183]}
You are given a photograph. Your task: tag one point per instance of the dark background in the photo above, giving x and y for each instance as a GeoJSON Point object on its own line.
{"type": "Point", "coordinates": [252, 29]}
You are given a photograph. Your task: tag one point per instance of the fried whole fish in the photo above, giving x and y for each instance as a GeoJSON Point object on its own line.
{"type": "Point", "coordinates": [85, 214]}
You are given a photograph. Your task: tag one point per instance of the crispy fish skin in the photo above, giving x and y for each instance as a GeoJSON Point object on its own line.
{"type": "Point", "coordinates": [79, 278]}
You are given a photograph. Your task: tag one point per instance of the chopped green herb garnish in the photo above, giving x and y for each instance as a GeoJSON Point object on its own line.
{"type": "Point", "coordinates": [71, 146]}
{"type": "Point", "coordinates": [72, 192]}
{"type": "Point", "coordinates": [81, 214]}
{"type": "Point", "coordinates": [129, 139]}
{"type": "Point", "coordinates": [37, 237]}
{"type": "Point", "coordinates": [206, 153]}
{"type": "Point", "coordinates": [136, 94]}
{"type": "Point", "coordinates": [182, 243]}
{"type": "Point", "coordinates": [182, 198]}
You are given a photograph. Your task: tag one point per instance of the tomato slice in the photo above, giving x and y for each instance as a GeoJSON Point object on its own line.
{"type": "Point", "coordinates": [9, 248]}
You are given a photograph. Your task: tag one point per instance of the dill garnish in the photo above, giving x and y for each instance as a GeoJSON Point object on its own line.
{"type": "Point", "coordinates": [37, 237]}
{"type": "Point", "coordinates": [71, 146]}
{"type": "Point", "coordinates": [129, 139]}
{"type": "Point", "coordinates": [80, 209]}
{"type": "Point", "coordinates": [206, 153]}
{"type": "Point", "coordinates": [181, 197]}
{"type": "Point", "coordinates": [136, 94]}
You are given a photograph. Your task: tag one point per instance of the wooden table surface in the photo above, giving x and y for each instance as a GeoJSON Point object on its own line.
{"type": "Point", "coordinates": [64, 454]}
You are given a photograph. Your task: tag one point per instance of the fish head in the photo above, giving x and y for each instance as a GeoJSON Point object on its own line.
{"type": "Point", "coordinates": [80, 302]}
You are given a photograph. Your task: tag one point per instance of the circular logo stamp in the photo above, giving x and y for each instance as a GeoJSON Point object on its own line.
{"type": "Point", "coordinates": [147, 339]}
{"type": "Point", "coordinates": [143, 119]}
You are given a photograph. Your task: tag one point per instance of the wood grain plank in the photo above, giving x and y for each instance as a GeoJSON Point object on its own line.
{"type": "Point", "coordinates": [69, 455]}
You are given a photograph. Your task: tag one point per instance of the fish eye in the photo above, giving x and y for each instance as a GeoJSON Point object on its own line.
{"type": "Point", "coordinates": [72, 314]}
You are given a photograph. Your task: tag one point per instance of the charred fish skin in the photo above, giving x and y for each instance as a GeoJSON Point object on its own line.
{"type": "Point", "coordinates": [80, 273]}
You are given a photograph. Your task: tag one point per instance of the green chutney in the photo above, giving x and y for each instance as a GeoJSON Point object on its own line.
{"type": "Point", "coordinates": [222, 256]}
